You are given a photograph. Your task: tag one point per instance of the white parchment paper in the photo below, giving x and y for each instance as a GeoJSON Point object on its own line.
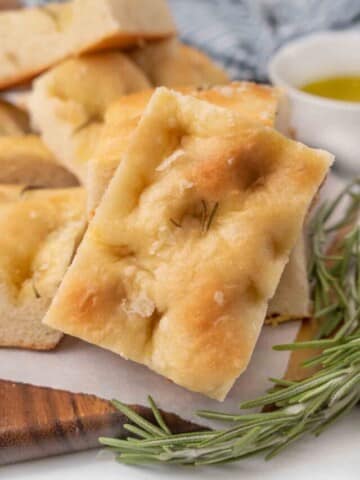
{"type": "Point", "coordinates": [81, 367]}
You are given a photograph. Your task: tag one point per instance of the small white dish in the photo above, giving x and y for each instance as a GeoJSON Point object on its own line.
{"type": "Point", "coordinates": [320, 122]}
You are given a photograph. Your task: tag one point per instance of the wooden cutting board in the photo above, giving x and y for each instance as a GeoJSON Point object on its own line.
{"type": "Point", "coordinates": [38, 422]}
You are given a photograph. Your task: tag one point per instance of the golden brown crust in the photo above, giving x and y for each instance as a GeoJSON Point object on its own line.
{"type": "Point", "coordinates": [177, 268]}
{"type": "Point", "coordinates": [57, 31]}
{"type": "Point", "coordinates": [25, 160]}
{"type": "Point", "coordinates": [125, 43]}
{"type": "Point", "coordinates": [257, 102]}
{"type": "Point", "coordinates": [12, 120]}
{"type": "Point", "coordinates": [68, 103]}
{"type": "Point", "coordinates": [69, 114]}
{"type": "Point", "coordinates": [170, 63]}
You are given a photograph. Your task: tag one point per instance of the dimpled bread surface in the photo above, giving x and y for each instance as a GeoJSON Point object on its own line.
{"type": "Point", "coordinates": [189, 242]}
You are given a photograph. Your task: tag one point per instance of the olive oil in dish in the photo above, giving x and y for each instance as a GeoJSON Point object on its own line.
{"type": "Point", "coordinates": [344, 88]}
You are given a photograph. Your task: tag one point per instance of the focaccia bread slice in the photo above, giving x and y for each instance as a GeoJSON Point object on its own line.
{"type": "Point", "coordinates": [68, 103]}
{"type": "Point", "coordinates": [189, 242]}
{"type": "Point", "coordinates": [12, 120]}
{"type": "Point", "coordinates": [25, 160]}
{"type": "Point", "coordinates": [41, 231]}
{"type": "Point", "coordinates": [34, 39]}
{"type": "Point", "coordinates": [257, 102]}
{"type": "Point", "coordinates": [170, 63]}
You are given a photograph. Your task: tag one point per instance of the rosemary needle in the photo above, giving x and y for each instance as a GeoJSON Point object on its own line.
{"type": "Point", "coordinates": [211, 216]}
{"type": "Point", "coordinates": [300, 407]}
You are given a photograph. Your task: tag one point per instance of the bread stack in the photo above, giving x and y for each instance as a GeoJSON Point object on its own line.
{"type": "Point", "coordinates": [85, 50]}
{"type": "Point", "coordinates": [131, 158]}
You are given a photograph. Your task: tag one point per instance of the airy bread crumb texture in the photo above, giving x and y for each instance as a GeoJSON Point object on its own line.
{"type": "Point", "coordinates": [42, 231]}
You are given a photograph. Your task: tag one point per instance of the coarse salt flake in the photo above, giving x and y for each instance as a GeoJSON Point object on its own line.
{"type": "Point", "coordinates": [219, 298]}
{"type": "Point", "coordinates": [185, 184]}
{"type": "Point", "coordinates": [142, 305]}
{"type": "Point", "coordinates": [129, 270]}
{"type": "Point", "coordinates": [154, 247]}
{"type": "Point", "coordinates": [169, 160]}
{"type": "Point", "coordinates": [225, 91]}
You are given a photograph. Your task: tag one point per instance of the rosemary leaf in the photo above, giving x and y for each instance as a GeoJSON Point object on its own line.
{"type": "Point", "coordinates": [35, 290]}
{"type": "Point", "coordinates": [158, 416]}
{"type": "Point", "coordinates": [211, 216]}
{"type": "Point", "coordinates": [174, 222]}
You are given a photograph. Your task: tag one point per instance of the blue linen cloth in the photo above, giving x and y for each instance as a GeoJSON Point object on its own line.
{"type": "Point", "coordinates": [243, 34]}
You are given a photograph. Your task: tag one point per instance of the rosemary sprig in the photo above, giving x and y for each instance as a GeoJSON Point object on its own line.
{"type": "Point", "coordinates": [175, 223]}
{"type": "Point", "coordinates": [207, 215]}
{"type": "Point", "coordinates": [211, 216]}
{"type": "Point", "coordinates": [333, 278]}
{"type": "Point", "coordinates": [35, 290]}
{"type": "Point", "coordinates": [298, 407]}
